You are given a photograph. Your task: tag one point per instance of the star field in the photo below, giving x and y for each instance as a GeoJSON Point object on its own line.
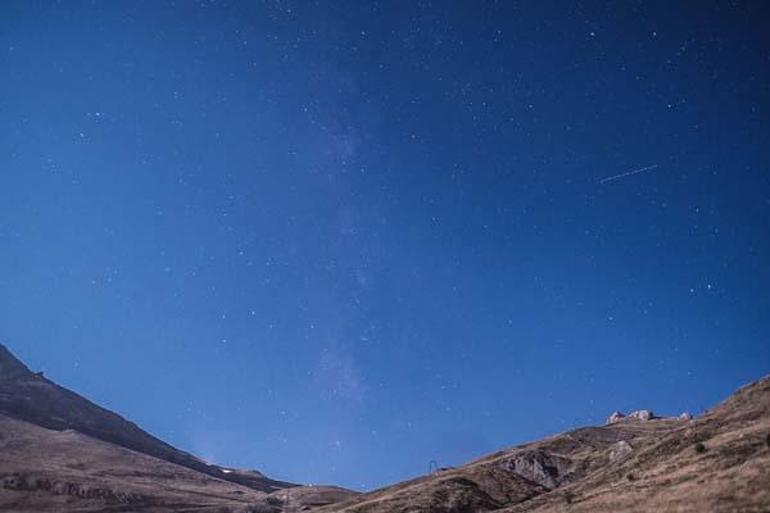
{"type": "Point", "coordinates": [334, 241]}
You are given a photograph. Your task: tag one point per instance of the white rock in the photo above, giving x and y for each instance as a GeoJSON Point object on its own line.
{"type": "Point", "coordinates": [615, 417]}
{"type": "Point", "coordinates": [620, 450]}
{"type": "Point", "coordinates": [643, 415]}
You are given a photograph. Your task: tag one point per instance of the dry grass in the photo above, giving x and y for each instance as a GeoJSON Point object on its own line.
{"type": "Point", "coordinates": [717, 463]}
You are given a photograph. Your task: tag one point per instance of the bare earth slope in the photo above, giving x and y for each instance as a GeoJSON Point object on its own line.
{"type": "Point", "coordinates": [719, 462]}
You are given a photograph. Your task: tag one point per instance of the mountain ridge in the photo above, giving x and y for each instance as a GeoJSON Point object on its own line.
{"type": "Point", "coordinates": [10, 366]}
{"type": "Point", "coordinates": [32, 397]}
{"type": "Point", "coordinates": [60, 452]}
{"type": "Point", "coordinates": [719, 462]}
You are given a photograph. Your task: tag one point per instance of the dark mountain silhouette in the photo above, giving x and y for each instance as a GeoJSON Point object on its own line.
{"type": "Point", "coordinates": [10, 367]}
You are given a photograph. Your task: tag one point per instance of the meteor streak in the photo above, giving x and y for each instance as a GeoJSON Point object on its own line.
{"type": "Point", "coordinates": [629, 173]}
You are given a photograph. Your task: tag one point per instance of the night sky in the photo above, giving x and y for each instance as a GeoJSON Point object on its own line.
{"type": "Point", "coordinates": [334, 241]}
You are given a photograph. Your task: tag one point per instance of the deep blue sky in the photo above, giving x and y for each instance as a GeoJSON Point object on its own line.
{"type": "Point", "coordinates": [336, 240]}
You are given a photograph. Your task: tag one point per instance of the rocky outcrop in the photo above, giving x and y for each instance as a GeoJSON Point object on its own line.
{"type": "Point", "coordinates": [620, 451]}
{"type": "Point", "coordinates": [541, 467]}
{"type": "Point", "coordinates": [642, 415]}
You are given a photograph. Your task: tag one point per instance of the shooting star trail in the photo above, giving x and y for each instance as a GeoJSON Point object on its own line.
{"type": "Point", "coordinates": [623, 175]}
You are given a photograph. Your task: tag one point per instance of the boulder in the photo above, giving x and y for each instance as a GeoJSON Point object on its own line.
{"type": "Point", "coordinates": [620, 450]}
{"type": "Point", "coordinates": [546, 469]}
{"type": "Point", "coordinates": [616, 416]}
{"type": "Point", "coordinates": [685, 416]}
{"type": "Point", "coordinates": [643, 415]}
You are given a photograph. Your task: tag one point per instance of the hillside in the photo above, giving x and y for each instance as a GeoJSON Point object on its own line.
{"type": "Point", "coordinates": [60, 452]}
{"type": "Point", "coordinates": [719, 462]}
{"type": "Point", "coordinates": [30, 396]}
